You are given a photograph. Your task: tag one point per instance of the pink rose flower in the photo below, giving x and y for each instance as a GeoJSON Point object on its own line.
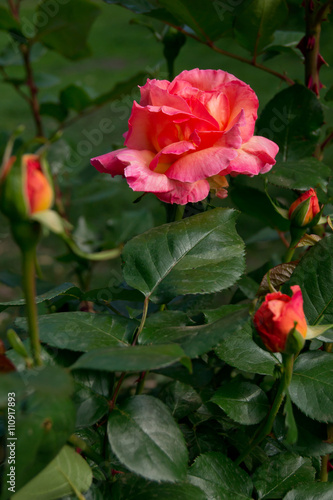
{"type": "Point", "coordinates": [186, 135]}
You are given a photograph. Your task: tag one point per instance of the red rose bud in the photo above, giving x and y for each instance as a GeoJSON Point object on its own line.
{"type": "Point", "coordinates": [304, 209]}
{"type": "Point", "coordinates": [38, 186]}
{"type": "Point", "coordinates": [26, 188]}
{"type": "Point", "coordinates": [280, 321]}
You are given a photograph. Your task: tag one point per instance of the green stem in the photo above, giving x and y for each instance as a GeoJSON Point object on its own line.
{"type": "Point", "coordinates": [289, 254]}
{"type": "Point", "coordinates": [142, 322]}
{"type": "Point", "coordinates": [266, 427]}
{"type": "Point", "coordinates": [87, 450]}
{"type": "Point", "coordinates": [141, 383]}
{"type": "Point", "coordinates": [29, 286]}
{"type": "Point", "coordinates": [112, 403]}
{"type": "Point", "coordinates": [323, 469]}
{"type": "Point", "coordinates": [180, 212]}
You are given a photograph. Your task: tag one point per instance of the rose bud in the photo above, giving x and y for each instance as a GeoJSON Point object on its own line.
{"type": "Point", "coordinates": [26, 188]}
{"type": "Point", "coordinates": [304, 209]}
{"type": "Point", "coordinates": [280, 321]}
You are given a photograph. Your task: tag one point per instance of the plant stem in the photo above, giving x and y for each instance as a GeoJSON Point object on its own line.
{"type": "Point", "coordinates": [289, 254]}
{"type": "Point", "coordinates": [29, 285]}
{"type": "Point", "coordinates": [323, 469]}
{"type": "Point", "coordinates": [141, 383]}
{"type": "Point", "coordinates": [87, 450]}
{"type": "Point", "coordinates": [30, 82]}
{"type": "Point", "coordinates": [179, 212]}
{"type": "Point", "coordinates": [116, 391]}
{"type": "Point", "coordinates": [325, 458]}
{"type": "Point", "coordinates": [252, 62]}
{"type": "Point", "coordinates": [135, 339]}
{"type": "Point", "coordinates": [142, 322]}
{"type": "Point", "coordinates": [266, 427]}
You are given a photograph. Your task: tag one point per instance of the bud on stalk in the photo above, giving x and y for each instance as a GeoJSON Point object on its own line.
{"type": "Point", "coordinates": [304, 209]}
{"type": "Point", "coordinates": [280, 322]}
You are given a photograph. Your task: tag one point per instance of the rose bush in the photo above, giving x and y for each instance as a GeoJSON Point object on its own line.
{"type": "Point", "coordinates": [185, 136]}
{"type": "Point", "coordinates": [277, 316]}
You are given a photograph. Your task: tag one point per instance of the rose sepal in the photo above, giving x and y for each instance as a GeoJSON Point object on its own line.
{"type": "Point", "coordinates": [18, 346]}
{"type": "Point", "coordinates": [51, 220]}
{"type": "Point", "coordinates": [316, 331]}
{"type": "Point", "coordinates": [14, 200]}
{"type": "Point", "coordinates": [295, 341]}
{"type": "Point", "coordinates": [26, 234]}
{"type": "Point", "coordinates": [280, 210]}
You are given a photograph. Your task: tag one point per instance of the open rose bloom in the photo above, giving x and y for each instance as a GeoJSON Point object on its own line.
{"type": "Point", "coordinates": [185, 136]}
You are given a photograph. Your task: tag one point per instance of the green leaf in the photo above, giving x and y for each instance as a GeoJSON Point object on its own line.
{"type": "Point", "coordinates": [285, 41]}
{"type": "Point", "coordinates": [281, 473]}
{"type": "Point", "coordinates": [314, 274]}
{"type": "Point", "coordinates": [90, 407]}
{"type": "Point", "coordinates": [301, 174]}
{"type": "Point", "coordinates": [65, 290]}
{"type": "Point", "coordinates": [312, 491]}
{"type": "Point", "coordinates": [68, 473]}
{"type": "Point", "coordinates": [291, 426]}
{"type": "Point", "coordinates": [292, 119]}
{"type": "Point", "coordinates": [312, 437]}
{"type": "Point", "coordinates": [133, 358]}
{"type": "Point", "coordinates": [59, 33]}
{"type": "Point", "coordinates": [181, 399]}
{"type": "Point", "coordinates": [82, 331]}
{"type": "Point", "coordinates": [53, 109]}
{"type": "Point", "coordinates": [257, 21]}
{"type": "Point", "coordinates": [200, 17]}
{"type": "Point", "coordinates": [253, 202]}
{"type": "Point", "coordinates": [121, 89]}
{"type": "Point", "coordinates": [75, 97]}
{"type": "Point", "coordinates": [137, 488]}
{"type": "Point", "coordinates": [311, 387]}
{"type": "Point", "coordinates": [156, 323]}
{"type": "Point", "coordinates": [196, 340]}
{"type": "Point", "coordinates": [239, 350]}
{"type": "Point", "coordinates": [45, 418]}
{"type": "Point", "coordinates": [329, 94]}
{"type": "Point", "coordinates": [146, 439]}
{"type": "Point", "coordinates": [212, 315]}
{"type": "Point", "coordinates": [220, 478]}
{"type": "Point", "coordinates": [244, 402]}
{"type": "Point", "coordinates": [278, 275]}
{"type": "Point", "coordinates": [201, 374]}
{"type": "Point", "coordinates": [149, 8]}
{"type": "Point", "coordinates": [200, 254]}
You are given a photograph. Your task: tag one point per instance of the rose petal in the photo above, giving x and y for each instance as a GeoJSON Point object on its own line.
{"type": "Point", "coordinates": [141, 178]}
{"type": "Point", "coordinates": [201, 164]}
{"type": "Point", "coordinates": [147, 125]}
{"type": "Point", "coordinates": [242, 97]}
{"type": "Point", "coordinates": [203, 79]}
{"type": "Point", "coordinates": [170, 154]}
{"type": "Point", "coordinates": [155, 93]}
{"type": "Point", "coordinates": [184, 192]}
{"type": "Point", "coordinates": [254, 157]}
{"type": "Point", "coordinates": [110, 163]}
